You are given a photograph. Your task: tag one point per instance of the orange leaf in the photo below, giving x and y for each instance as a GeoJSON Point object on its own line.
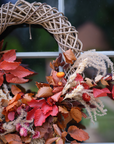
{"type": "Point", "coordinates": [77, 133]}
{"type": "Point", "coordinates": [13, 139]}
{"type": "Point", "coordinates": [76, 114]}
{"type": "Point", "coordinates": [104, 82]}
{"type": "Point", "coordinates": [61, 126]}
{"type": "Point", "coordinates": [56, 129]}
{"type": "Point", "coordinates": [67, 120]}
{"type": "Point", "coordinates": [27, 97]}
{"type": "Point", "coordinates": [64, 134]}
{"type": "Point", "coordinates": [63, 110]}
{"type": "Point", "coordinates": [44, 92]}
{"type": "Point", "coordinates": [51, 140]}
{"type": "Point", "coordinates": [69, 56]}
{"type": "Point", "coordinates": [15, 98]}
{"type": "Point", "coordinates": [12, 106]}
{"type": "Point", "coordinates": [15, 89]}
{"type": "Point", "coordinates": [39, 85]}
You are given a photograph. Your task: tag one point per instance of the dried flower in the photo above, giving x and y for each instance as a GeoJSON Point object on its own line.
{"type": "Point", "coordinates": [18, 126]}
{"type": "Point", "coordinates": [23, 132]}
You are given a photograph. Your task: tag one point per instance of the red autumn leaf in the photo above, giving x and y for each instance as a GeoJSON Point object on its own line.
{"type": "Point", "coordinates": [15, 98]}
{"type": "Point", "coordinates": [78, 78]}
{"type": "Point", "coordinates": [54, 111]}
{"type": "Point", "coordinates": [39, 117]}
{"type": "Point", "coordinates": [15, 89]}
{"type": "Point", "coordinates": [106, 90]}
{"type": "Point", "coordinates": [77, 133]}
{"type": "Point", "coordinates": [5, 65]}
{"type": "Point", "coordinates": [30, 114]}
{"type": "Point", "coordinates": [12, 79]}
{"type": "Point", "coordinates": [57, 89]}
{"type": "Point", "coordinates": [86, 86]}
{"type": "Point", "coordinates": [13, 139]}
{"type": "Point", "coordinates": [10, 56]}
{"type": "Point", "coordinates": [99, 92]}
{"type": "Point", "coordinates": [44, 92]}
{"type": "Point", "coordinates": [113, 92]}
{"type": "Point", "coordinates": [11, 116]}
{"type": "Point", "coordinates": [39, 85]}
{"type": "Point", "coordinates": [54, 76]}
{"type": "Point", "coordinates": [46, 108]}
{"type": "Point", "coordinates": [51, 140]}
{"type": "Point", "coordinates": [21, 72]}
{"type": "Point", "coordinates": [36, 103]}
{"type": "Point", "coordinates": [1, 79]}
{"type": "Point", "coordinates": [56, 129]}
{"type": "Point", "coordinates": [69, 56]}
{"type": "Point", "coordinates": [56, 96]}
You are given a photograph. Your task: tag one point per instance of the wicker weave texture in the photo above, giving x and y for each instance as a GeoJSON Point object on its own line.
{"type": "Point", "coordinates": [42, 14]}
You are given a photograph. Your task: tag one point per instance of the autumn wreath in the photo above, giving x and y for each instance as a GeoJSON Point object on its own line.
{"type": "Point", "coordinates": [69, 95]}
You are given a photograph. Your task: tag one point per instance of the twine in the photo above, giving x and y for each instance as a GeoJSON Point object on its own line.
{"type": "Point", "coordinates": [42, 14]}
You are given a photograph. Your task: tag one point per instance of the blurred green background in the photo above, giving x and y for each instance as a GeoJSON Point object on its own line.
{"type": "Point", "coordinates": [94, 20]}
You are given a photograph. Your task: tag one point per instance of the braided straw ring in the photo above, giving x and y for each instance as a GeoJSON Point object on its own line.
{"type": "Point", "coordinates": [50, 18]}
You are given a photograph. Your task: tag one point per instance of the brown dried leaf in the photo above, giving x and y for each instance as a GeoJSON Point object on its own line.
{"type": "Point", "coordinates": [76, 114]}
{"type": "Point", "coordinates": [77, 133]}
{"type": "Point", "coordinates": [51, 140]}
{"type": "Point", "coordinates": [39, 85]}
{"type": "Point", "coordinates": [13, 139]}
{"type": "Point", "coordinates": [26, 139]}
{"type": "Point", "coordinates": [67, 120]}
{"type": "Point", "coordinates": [104, 82]}
{"type": "Point", "coordinates": [50, 80]}
{"type": "Point", "coordinates": [89, 82]}
{"type": "Point", "coordinates": [69, 56]}
{"type": "Point", "coordinates": [4, 102]}
{"type": "Point", "coordinates": [56, 129]}
{"type": "Point", "coordinates": [15, 90]}
{"type": "Point", "coordinates": [3, 139]}
{"type": "Point", "coordinates": [63, 110]}
{"type": "Point", "coordinates": [51, 66]}
{"type": "Point", "coordinates": [44, 129]}
{"type": "Point", "coordinates": [44, 92]}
